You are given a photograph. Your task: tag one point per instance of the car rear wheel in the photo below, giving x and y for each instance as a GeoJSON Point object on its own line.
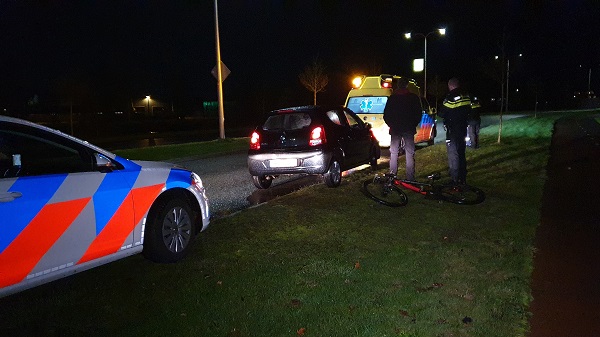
{"type": "Point", "coordinates": [262, 182]}
{"type": "Point", "coordinates": [333, 176]}
{"type": "Point", "coordinates": [169, 231]}
{"type": "Point", "coordinates": [373, 158]}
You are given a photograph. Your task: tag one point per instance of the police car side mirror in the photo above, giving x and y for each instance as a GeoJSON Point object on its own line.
{"type": "Point", "coordinates": [103, 164]}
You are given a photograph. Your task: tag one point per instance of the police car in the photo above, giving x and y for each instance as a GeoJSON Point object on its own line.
{"type": "Point", "coordinates": [67, 206]}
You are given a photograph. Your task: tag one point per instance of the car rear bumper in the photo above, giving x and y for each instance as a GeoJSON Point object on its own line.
{"type": "Point", "coordinates": [316, 162]}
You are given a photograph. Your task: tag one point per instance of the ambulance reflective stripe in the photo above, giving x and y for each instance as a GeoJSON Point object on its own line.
{"type": "Point", "coordinates": [35, 240]}
{"type": "Point", "coordinates": [112, 236]}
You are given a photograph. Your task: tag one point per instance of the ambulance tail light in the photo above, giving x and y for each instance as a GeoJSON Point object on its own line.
{"type": "Point", "coordinates": [387, 81]}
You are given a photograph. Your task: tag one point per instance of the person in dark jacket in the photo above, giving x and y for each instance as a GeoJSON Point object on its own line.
{"type": "Point", "coordinates": [402, 114]}
{"type": "Point", "coordinates": [455, 111]}
{"type": "Point", "coordinates": [474, 124]}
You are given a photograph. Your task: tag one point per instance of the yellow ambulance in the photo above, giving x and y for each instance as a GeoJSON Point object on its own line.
{"type": "Point", "coordinates": [368, 98]}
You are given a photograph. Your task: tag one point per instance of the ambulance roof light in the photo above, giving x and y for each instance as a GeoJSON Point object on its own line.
{"type": "Point", "coordinates": [357, 81]}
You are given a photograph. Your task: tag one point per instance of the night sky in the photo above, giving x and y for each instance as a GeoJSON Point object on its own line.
{"type": "Point", "coordinates": [109, 52]}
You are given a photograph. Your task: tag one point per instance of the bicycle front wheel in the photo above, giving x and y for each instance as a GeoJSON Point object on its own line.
{"type": "Point", "coordinates": [462, 195]}
{"type": "Point", "coordinates": [384, 193]}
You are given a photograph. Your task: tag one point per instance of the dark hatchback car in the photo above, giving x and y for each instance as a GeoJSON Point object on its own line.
{"type": "Point", "coordinates": [320, 140]}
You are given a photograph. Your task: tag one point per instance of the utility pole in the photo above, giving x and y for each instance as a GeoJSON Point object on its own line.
{"type": "Point", "coordinates": [219, 76]}
{"type": "Point", "coordinates": [408, 36]}
{"type": "Point", "coordinates": [507, 76]}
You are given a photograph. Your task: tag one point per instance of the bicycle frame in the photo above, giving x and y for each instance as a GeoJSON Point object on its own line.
{"type": "Point", "coordinates": [418, 187]}
{"type": "Point", "coordinates": [386, 190]}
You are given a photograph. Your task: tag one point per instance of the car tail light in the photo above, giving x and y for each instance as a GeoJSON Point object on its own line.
{"type": "Point", "coordinates": [255, 141]}
{"type": "Point", "coordinates": [317, 136]}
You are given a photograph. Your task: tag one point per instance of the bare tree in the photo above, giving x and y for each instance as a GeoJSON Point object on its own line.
{"type": "Point", "coordinates": [437, 88]}
{"type": "Point", "coordinates": [314, 78]}
{"type": "Point", "coordinates": [537, 87]}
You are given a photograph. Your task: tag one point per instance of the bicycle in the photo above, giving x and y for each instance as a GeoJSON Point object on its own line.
{"type": "Point", "coordinates": [386, 190]}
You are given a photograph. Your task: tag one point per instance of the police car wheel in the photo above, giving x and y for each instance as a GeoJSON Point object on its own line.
{"type": "Point", "coordinates": [169, 232]}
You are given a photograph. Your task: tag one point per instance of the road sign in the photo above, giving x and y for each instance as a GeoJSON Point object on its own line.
{"type": "Point", "coordinates": [224, 71]}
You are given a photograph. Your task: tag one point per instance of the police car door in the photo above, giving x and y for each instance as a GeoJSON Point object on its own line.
{"type": "Point", "coordinates": [54, 204]}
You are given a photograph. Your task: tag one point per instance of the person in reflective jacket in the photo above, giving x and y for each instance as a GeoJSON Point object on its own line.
{"type": "Point", "coordinates": [455, 111]}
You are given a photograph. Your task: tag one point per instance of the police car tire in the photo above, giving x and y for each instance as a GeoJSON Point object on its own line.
{"type": "Point", "coordinates": [162, 238]}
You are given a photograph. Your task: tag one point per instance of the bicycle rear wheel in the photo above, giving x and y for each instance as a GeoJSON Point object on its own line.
{"type": "Point", "coordinates": [379, 190]}
{"type": "Point", "coordinates": [462, 195]}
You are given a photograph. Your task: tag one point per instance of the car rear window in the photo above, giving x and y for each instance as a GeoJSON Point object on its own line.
{"type": "Point", "coordinates": [288, 121]}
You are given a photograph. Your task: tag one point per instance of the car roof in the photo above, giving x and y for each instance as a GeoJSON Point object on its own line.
{"type": "Point", "coordinates": [306, 108]}
{"type": "Point", "coordinates": [56, 132]}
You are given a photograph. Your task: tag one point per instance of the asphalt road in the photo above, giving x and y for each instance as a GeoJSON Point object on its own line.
{"type": "Point", "coordinates": [565, 280]}
{"type": "Point", "coordinates": [229, 184]}
{"type": "Point", "coordinates": [230, 188]}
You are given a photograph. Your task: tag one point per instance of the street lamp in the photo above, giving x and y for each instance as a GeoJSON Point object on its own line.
{"type": "Point", "coordinates": [408, 36]}
{"type": "Point", "coordinates": [148, 99]}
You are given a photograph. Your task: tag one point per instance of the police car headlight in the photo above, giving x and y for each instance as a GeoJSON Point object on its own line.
{"type": "Point", "coordinates": [196, 180]}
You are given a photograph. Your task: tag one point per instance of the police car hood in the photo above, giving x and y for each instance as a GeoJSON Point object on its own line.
{"type": "Point", "coordinates": [149, 165]}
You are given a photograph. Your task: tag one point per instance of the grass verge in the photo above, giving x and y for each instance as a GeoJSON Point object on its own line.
{"type": "Point", "coordinates": [330, 262]}
{"type": "Point", "coordinates": [196, 150]}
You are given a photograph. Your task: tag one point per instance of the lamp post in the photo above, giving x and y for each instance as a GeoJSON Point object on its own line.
{"type": "Point", "coordinates": [408, 36]}
{"type": "Point", "coordinates": [148, 101]}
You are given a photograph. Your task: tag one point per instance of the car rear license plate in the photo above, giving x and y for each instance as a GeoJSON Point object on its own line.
{"type": "Point", "coordinates": [283, 162]}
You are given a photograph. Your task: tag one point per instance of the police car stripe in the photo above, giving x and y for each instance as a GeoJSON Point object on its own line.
{"type": "Point", "coordinates": [22, 213]}
{"type": "Point", "coordinates": [177, 178]}
{"type": "Point", "coordinates": [35, 240]}
{"type": "Point", "coordinates": [119, 189]}
{"type": "Point", "coordinates": [114, 234]}
{"type": "Point", "coordinates": [73, 243]}
{"type": "Point", "coordinates": [73, 188]}
{"type": "Point", "coordinates": [106, 242]}
{"type": "Point", "coordinates": [143, 198]}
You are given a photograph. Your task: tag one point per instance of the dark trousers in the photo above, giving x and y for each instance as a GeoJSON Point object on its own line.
{"type": "Point", "coordinates": [457, 162]}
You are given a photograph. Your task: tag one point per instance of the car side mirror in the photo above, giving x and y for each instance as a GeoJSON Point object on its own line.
{"type": "Point", "coordinates": [103, 163]}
